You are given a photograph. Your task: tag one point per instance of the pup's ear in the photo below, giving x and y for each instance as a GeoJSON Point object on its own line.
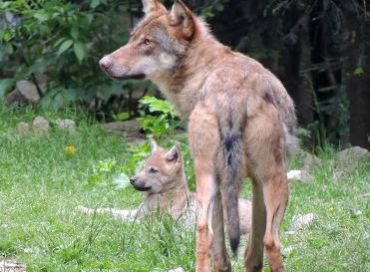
{"type": "Point", "coordinates": [174, 154]}
{"type": "Point", "coordinates": [152, 5]}
{"type": "Point", "coordinates": [183, 17]}
{"type": "Point", "coordinates": [153, 145]}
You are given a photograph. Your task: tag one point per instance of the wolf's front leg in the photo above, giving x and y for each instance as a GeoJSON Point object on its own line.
{"type": "Point", "coordinates": [128, 215]}
{"type": "Point", "coordinates": [206, 191]}
{"type": "Point", "coordinates": [204, 140]}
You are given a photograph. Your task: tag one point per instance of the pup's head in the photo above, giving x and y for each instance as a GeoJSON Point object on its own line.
{"type": "Point", "coordinates": [162, 170]}
{"type": "Point", "coordinates": [156, 44]}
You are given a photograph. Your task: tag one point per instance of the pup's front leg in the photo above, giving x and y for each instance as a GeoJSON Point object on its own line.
{"type": "Point", "coordinates": [127, 215]}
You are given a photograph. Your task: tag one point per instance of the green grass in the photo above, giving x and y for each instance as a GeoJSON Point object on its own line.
{"type": "Point", "coordinates": [40, 186]}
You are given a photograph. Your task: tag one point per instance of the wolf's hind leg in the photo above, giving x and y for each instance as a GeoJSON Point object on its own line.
{"type": "Point", "coordinates": [254, 252]}
{"type": "Point", "coordinates": [275, 192]}
{"type": "Point", "coordinates": [219, 255]}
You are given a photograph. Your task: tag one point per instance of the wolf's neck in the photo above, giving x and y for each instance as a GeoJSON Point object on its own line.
{"type": "Point", "coordinates": [182, 86]}
{"type": "Point", "coordinates": [175, 196]}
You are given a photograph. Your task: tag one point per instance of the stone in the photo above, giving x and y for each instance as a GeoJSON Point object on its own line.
{"type": "Point", "coordinates": [66, 124]}
{"type": "Point", "coordinates": [28, 90]}
{"type": "Point", "coordinates": [309, 161]}
{"type": "Point", "coordinates": [15, 98]}
{"type": "Point", "coordinates": [23, 128]}
{"type": "Point", "coordinates": [302, 221]}
{"type": "Point", "coordinates": [42, 82]}
{"type": "Point", "coordinates": [40, 125]}
{"type": "Point", "coordinates": [351, 153]}
{"type": "Point", "coordinates": [130, 129]}
{"type": "Point", "coordinates": [24, 93]}
{"type": "Point", "coordinates": [299, 175]}
{"type": "Point", "coordinates": [179, 269]}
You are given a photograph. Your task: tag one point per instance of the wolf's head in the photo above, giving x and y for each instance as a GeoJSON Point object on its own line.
{"type": "Point", "coordinates": [162, 170]}
{"type": "Point", "coordinates": [156, 44]}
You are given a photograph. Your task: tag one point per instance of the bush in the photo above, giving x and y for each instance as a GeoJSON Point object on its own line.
{"type": "Point", "coordinates": [64, 41]}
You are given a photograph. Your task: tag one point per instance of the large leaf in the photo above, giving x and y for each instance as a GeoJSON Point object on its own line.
{"type": "Point", "coordinates": [80, 50]}
{"type": "Point", "coordinates": [64, 46]}
{"type": "Point", "coordinates": [94, 3]}
{"type": "Point", "coordinates": [5, 85]}
{"type": "Point", "coordinates": [158, 105]}
{"type": "Point", "coordinates": [41, 16]}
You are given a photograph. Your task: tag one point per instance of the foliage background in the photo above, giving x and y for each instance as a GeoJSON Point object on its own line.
{"type": "Point", "coordinates": [320, 50]}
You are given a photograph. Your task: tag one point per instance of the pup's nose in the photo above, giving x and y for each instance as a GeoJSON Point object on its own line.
{"type": "Point", "coordinates": [106, 62]}
{"type": "Point", "coordinates": [132, 180]}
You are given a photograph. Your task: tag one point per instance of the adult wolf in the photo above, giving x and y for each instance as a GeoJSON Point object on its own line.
{"type": "Point", "coordinates": [240, 123]}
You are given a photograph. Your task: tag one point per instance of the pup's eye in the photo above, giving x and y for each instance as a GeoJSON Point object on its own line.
{"type": "Point", "coordinates": [153, 170]}
{"type": "Point", "coordinates": [147, 42]}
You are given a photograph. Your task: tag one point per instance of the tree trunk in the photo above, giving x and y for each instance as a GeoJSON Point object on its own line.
{"type": "Point", "coordinates": [357, 71]}
{"type": "Point", "coordinates": [305, 89]}
{"type": "Point", "coordinates": [298, 77]}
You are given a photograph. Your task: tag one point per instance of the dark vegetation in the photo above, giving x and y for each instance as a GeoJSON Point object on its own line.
{"type": "Point", "coordinates": [319, 48]}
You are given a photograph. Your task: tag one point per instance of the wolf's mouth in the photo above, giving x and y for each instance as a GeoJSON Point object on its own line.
{"type": "Point", "coordinates": [137, 76]}
{"type": "Point", "coordinates": [139, 188]}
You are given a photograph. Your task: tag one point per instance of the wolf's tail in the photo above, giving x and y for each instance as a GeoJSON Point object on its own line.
{"type": "Point", "coordinates": [229, 158]}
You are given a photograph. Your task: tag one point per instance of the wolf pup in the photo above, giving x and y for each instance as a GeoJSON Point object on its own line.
{"type": "Point", "coordinates": [241, 123]}
{"type": "Point", "coordinates": [163, 180]}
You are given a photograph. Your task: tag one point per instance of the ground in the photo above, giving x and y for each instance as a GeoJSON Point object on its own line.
{"type": "Point", "coordinates": [44, 176]}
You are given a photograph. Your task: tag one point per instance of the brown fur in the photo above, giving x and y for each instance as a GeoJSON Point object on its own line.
{"type": "Point", "coordinates": [241, 122]}
{"type": "Point", "coordinates": [164, 183]}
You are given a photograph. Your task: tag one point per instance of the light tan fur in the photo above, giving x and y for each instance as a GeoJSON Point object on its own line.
{"type": "Point", "coordinates": [164, 183]}
{"type": "Point", "coordinates": [241, 123]}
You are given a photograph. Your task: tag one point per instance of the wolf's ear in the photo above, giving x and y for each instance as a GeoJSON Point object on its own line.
{"type": "Point", "coordinates": [153, 145]}
{"type": "Point", "coordinates": [152, 5]}
{"type": "Point", "coordinates": [174, 154]}
{"type": "Point", "coordinates": [182, 16]}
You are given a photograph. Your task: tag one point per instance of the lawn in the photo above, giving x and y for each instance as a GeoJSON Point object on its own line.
{"type": "Point", "coordinates": [41, 185]}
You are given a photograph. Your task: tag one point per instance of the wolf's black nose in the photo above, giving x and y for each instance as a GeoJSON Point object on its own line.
{"type": "Point", "coordinates": [105, 63]}
{"type": "Point", "coordinates": [132, 180]}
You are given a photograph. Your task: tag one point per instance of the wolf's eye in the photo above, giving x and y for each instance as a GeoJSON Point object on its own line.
{"type": "Point", "coordinates": [147, 42]}
{"type": "Point", "coordinates": [153, 170]}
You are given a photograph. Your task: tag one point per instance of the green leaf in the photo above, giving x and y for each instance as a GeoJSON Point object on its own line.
{"type": "Point", "coordinates": [80, 50]}
{"type": "Point", "coordinates": [158, 105]}
{"type": "Point", "coordinates": [94, 3]}
{"type": "Point", "coordinates": [42, 17]}
{"type": "Point", "coordinates": [358, 71]}
{"type": "Point", "coordinates": [74, 32]}
{"type": "Point", "coordinates": [59, 41]}
{"type": "Point", "coordinates": [5, 85]}
{"type": "Point", "coordinates": [122, 116]}
{"type": "Point", "coordinates": [64, 46]}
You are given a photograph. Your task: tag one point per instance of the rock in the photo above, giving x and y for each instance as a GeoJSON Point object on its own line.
{"type": "Point", "coordinates": [351, 153]}
{"type": "Point", "coordinates": [8, 265]}
{"type": "Point", "coordinates": [40, 125]}
{"type": "Point", "coordinates": [66, 124]}
{"type": "Point", "coordinates": [179, 269]}
{"type": "Point", "coordinates": [348, 160]}
{"type": "Point", "coordinates": [42, 82]}
{"type": "Point", "coordinates": [15, 98]}
{"type": "Point", "coordinates": [300, 175]}
{"type": "Point", "coordinates": [302, 221]}
{"type": "Point", "coordinates": [130, 129]}
{"type": "Point", "coordinates": [24, 93]}
{"type": "Point", "coordinates": [309, 161]}
{"type": "Point", "coordinates": [28, 90]}
{"type": "Point", "coordinates": [23, 128]}
{"type": "Point", "coordinates": [287, 250]}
